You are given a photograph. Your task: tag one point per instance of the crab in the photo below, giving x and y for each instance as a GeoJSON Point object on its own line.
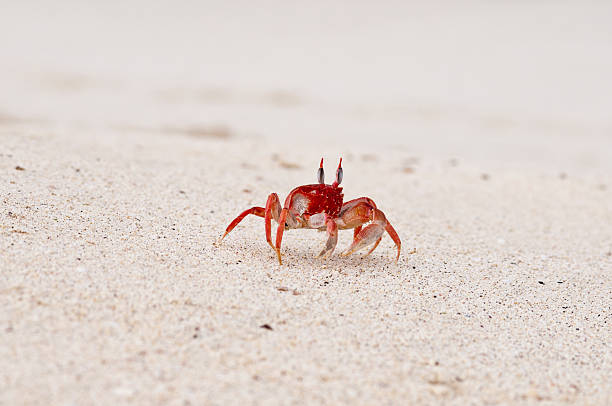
{"type": "Point", "coordinates": [321, 207]}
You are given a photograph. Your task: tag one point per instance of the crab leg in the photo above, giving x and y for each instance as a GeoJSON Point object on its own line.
{"type": "Point", "coordinates": [332, 240]}
{"type": "Point", "coordinates": [393, 234]}
{"type": "Point", "coordinates": [279, 233]}
{"type": "Point", "coordinates": [359, 212]}
{"type": "Point", "coordinates": [356, 231]}
{"type": "Point", "coordinates": [352, 203]}
{"type": "Point", "coordinates": [273, 210]}
{"type": "Point", "coordinates": [374, 247]}
{"type": "Point", "coordinates": [258, 211]}
{"type": "Point", "coordinates": [370, 234]}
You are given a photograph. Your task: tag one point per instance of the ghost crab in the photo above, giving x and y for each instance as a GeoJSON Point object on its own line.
{"type": "Point", "coordinates": [320, 206]}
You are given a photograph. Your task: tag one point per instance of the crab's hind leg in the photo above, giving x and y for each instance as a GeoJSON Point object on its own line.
{"type": "Point", "coordinates": [273, 210]}
{"type": "Point", "coordinates": [279, 233]}
{"type": "Point", "coordinates": [356, 231]}
{"type": "Point", "coordinates": [370, 234]}
{"type": "Point", "coordinates": [373, 246]}
{"type": "Point", "coordinates": [332, 240]}
{"type": "Point", "coordinates": [393, 234]}
{"type": "Point", "coordinates": [361, 211]}
{"type": "Point", "coordinates": [257, 211]}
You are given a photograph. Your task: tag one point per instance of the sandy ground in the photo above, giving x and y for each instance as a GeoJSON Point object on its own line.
{"type": "Point", "coordinates": [118, 178]}
{"type": "Point", "coordinates": [113, 291]}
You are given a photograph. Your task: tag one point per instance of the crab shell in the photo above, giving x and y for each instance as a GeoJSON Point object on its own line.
{"type": "Point", "coordinates": [309, 204]}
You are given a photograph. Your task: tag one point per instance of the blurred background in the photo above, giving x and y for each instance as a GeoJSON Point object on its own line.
{"type": "Point", "coordinates": [525, 84]}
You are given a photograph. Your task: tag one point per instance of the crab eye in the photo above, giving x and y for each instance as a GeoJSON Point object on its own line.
{"type": "Point", "coordinates": [321, 173]}
{"type": "Point", "coordinates": [339, 173]}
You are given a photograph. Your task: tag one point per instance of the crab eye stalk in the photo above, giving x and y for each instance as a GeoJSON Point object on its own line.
{"type": "Point", "coordinates": [321, 173]}
{"type": "Point", "coordinates": [339, 173]}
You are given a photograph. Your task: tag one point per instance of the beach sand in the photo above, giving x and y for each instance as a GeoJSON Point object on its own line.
{"type": "Point", "coordinates": [115, 188]}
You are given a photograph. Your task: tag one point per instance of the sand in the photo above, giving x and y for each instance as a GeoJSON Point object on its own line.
{"type": "Point", "coordinates": [117, 182]}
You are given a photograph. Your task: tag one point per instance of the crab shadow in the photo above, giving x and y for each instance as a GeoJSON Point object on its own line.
{"type": "Point", "coordinates": [300, 258]}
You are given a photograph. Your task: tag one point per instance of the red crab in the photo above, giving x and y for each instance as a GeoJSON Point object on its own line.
{"type": "Point", "coordinates": [320, 207]}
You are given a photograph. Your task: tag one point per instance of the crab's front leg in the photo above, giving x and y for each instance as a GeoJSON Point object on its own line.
{"type": "Point", "coordinates": [355, 214]}
{"type": "Point", "coordinates": [279, 233]}
{"type": "Point", "coordinates": [332, 237]}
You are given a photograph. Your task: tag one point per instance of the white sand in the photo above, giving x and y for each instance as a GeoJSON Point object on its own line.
{"type": "Point", "coordinates": [112, 290]}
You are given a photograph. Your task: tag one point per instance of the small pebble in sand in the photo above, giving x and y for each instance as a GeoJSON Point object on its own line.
{"type": "Point", "coordinates": [266, 326]}
{"type": "Point", "coordinates": [19, 168]}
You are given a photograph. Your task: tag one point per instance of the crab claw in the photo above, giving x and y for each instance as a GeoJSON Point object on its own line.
{"type": "Point", "coordinates": [371, 234]}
